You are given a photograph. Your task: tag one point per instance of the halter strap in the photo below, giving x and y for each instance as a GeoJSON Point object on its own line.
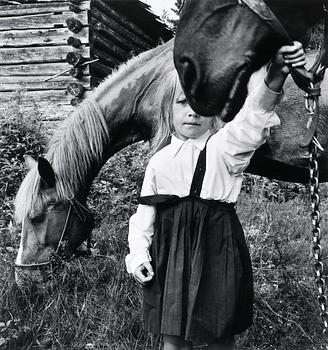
{"type": "Point", "coordinates": [81, 211]}
{"type": "Point", "coordinates": [307, 80]}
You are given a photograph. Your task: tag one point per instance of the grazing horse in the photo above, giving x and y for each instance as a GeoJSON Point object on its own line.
{"type": "Point", "coordinates": [230, 40]}
{"type": "Point", "coordinates": [51, 202]}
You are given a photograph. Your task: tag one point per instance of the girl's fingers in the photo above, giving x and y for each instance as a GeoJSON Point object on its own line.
{"type": "Point", "coordinates": [144, 273]}
{"type": "Point", "coordinates": [295, 56]}
{"type": "Point", "coordinates": [297, 62]}
{"type": "Point", "coordinates": [149, 268]}
{"type": "Point", "coordinates": [301, 63]}
{"type": "Point", "coordinates": [289, 50]}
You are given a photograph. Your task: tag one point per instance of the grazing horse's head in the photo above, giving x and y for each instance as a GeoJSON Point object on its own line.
{"type": "Point", "coordinates": [220, 43]}
{"type": "Point", "coordinates": [52, 226]}
{"type": "Point", "coordinates": [50, 203]}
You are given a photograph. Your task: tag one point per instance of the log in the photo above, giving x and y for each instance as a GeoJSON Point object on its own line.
{"type": "Point", "coordinates": [149, 22]}
{"type": "Point", "coordinates": [106, 58]}
{"type": "Point", "coordinates": [75, 89]}
{"type": "Point", "coordinates": [39, 54]}
{"type": "Point", "coordinates": [38, 69]}
{"type": "Point", "coordinates": [33, 37]}
{"type": "Point", "coordinates": [33, 83]}
{"type": "Point", "coordinates": [76, 2]}
{"type": "Point", "coordinates": [74, 25]}
{"type": "Point", "coordinates": [109, 47]}
{"type": "Point", "coordinates": [74, 8]}
{"type": "Point", "coordinates": [41, 7]}
{"type": "Point", "coordinates": [100, 70]}
{"type": "Point", "coordinates": [125, 36]}
{"type": "Point", "coordinates": [76, 73]}
{"type": "Point", "coordinates": [75, 101]}
{"type": "Point", "coordinates": [100, 30]}
{"type": "Point", "coordinates": [75, 58]}
{"type": "Point", "coordinates": [41, 21]}
{"type": "Point", "coordinates": [126, 23]}
{"type": "Point", "coordinates": [30, 98]}
{"type": "Point", "coordinates": [75, 42]}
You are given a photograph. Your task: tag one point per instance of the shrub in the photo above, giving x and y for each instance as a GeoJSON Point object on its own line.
{"type": "Point", "coordinates": [20, 133]}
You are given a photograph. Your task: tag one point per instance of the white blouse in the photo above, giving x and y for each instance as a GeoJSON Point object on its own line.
{"type": "Point", "coordinates": [228, 153]}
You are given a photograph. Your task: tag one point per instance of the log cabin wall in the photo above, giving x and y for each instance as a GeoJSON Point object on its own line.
{"type": "Point", "coordinates": [52, 53]}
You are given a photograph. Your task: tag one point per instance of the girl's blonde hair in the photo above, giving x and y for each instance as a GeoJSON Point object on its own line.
{"type": "Point", "coordinates": [170, 88]}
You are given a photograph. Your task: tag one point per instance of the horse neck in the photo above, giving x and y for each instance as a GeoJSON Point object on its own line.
{"type": "Point", "coordinates": [297, 16]}
{"type": "Point", "coordinates": [121, 111]}
{"type": "Point", "coordinates": [128, 96]}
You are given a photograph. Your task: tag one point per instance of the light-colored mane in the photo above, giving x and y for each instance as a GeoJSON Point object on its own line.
{"type": "Point", "coordinates": [128, 68]}
{"type": "Point", "coordinates": [78, 144]}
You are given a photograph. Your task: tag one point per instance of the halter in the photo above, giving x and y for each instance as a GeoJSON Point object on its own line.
{"type": "Point", "coordinates": [63, 250]}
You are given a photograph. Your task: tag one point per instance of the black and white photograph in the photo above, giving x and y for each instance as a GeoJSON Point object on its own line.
{"type": "Point", "coordinates": [163, 174]}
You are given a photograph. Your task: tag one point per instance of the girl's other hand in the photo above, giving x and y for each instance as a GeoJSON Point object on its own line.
{"type": "Point", "coordinates": [290, 56]}
{"type": "Point", "coordinates": [144, 273]}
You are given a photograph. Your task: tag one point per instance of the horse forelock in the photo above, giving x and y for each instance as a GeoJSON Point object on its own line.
{"type": "Point", "coordinates": [76, 148]}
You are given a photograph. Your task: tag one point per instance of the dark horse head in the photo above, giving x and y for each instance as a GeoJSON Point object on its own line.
{"type": "Point", "coordinates": [220, 43]}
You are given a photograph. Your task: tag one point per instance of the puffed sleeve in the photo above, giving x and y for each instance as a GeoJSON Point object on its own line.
{"type": "Point", "coordinates": [141, 226]}
{"type": "Point", "coordinates": [240, 138]}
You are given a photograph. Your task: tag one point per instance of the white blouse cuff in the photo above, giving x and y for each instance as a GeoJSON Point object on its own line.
{"type": "Point", "coordinates": [264, 98]}
{"type": "Point", "coordinates": [133, 261]}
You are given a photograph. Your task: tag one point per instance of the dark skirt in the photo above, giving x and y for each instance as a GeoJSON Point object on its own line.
{"type": "Point", "coordinates": [203, 286]}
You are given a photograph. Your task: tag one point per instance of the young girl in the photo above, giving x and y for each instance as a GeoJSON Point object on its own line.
{"type": "Point", "coordinates": [187, 247]}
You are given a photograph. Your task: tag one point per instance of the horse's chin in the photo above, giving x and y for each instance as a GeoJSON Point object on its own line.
{"type": "Point", "coordinates": [221, 99]}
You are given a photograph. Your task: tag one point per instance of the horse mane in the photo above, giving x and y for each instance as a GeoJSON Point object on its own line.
{"type": "Point", "coordinates": [129, 67]}
{"type": "Point", "coordinates": [77, 144]}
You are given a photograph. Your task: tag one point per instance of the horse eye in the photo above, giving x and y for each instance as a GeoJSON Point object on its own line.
{"type": "Point", "coordinates": [38, 219]}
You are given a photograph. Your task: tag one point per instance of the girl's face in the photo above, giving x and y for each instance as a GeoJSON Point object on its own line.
{"type": "Point", "coordinates": [188, 124]}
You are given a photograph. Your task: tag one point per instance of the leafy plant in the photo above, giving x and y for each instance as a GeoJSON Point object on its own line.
{"type": "Point", "coordinates": [20, 133]}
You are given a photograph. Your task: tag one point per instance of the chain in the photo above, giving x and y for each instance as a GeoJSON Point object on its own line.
{"type": "Point", "coordinates": [315, 219]}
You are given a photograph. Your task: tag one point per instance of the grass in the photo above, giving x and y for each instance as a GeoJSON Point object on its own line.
{"type": "Point", "coordinates": [93, 304]}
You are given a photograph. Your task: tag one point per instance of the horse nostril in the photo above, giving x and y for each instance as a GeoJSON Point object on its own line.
{"type": "Point", "coordinates": [189, 75]}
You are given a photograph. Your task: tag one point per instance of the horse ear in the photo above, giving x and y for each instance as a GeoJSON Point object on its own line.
{"type": "Point", "coordinates": [30, 162]}
{"type": "Point", "coordinates": [46, 172]}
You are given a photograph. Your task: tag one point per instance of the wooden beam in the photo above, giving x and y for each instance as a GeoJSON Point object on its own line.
{"type": "Point", "coordinates": [124, 22]}
{"type": "Point", "coordinates": [41, 21]}
{"type": "Point", "coordinates": [33, 37]}
{"type": "Point", "coordinates": [100, 70]}
{"type": "Point", "coordinates": [33, 83]}
{"type": "Point", "coordinates": [128, 39]}
{"type": "Point", "coordinates": [41, 7]}
{"type": "Point", "coordinates": [39, 54]}
{"type": "Point", "coordinates": [100, 30]}
{"type": "Point", "coordinates": [50, 97]}
{"type": "Point", "coordinates": [109, 47]}
{"type": "Point", "coordinates": [106, 58]}
{"type": "Point", "coordinates": [38, 69]}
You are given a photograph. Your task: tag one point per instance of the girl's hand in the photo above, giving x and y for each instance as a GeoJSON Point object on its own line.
{"type": "Point", "coordinates": [144, 273]}
{"type": "Point", "coordinates": [286, 57]}
{"type": "Point", "coordinates": [289, 56]}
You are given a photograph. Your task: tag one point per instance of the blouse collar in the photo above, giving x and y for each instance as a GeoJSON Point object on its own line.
{"type": "Point", "coordinates": [198, 142]}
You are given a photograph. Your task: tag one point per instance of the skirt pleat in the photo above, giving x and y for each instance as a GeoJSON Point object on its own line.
{"type": "Point", "coordinates": [202, 289]}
